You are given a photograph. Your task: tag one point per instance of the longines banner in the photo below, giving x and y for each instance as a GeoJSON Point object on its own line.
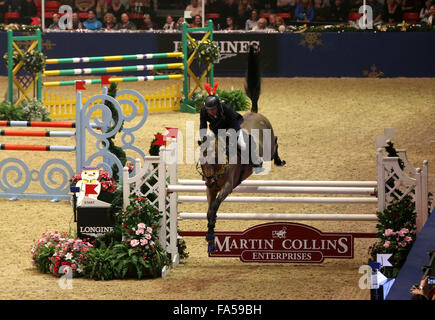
{"type": "Point", "coordinates": [233, 51]}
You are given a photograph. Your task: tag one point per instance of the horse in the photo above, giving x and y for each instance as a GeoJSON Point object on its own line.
{"type": "Point", "coordinates": [222, 178]}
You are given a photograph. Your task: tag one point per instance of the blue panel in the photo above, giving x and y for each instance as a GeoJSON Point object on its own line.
{"type": "Point", "coordinates": [411, 272]}
{"type": "Point", "coordinates": [350, 54]}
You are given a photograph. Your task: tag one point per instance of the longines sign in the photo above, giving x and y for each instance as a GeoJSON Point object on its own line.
{"type": "Point", "coordinates": [283, 243]}
{"type": "Point", "coordinates": [233, 50]}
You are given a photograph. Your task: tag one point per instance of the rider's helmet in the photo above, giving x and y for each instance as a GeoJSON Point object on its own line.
{"type": "Point", "coordinates": [212, 101]}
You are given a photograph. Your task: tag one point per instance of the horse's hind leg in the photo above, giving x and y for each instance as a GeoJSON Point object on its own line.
{"type": "Point", "coordinates": [276, 159]}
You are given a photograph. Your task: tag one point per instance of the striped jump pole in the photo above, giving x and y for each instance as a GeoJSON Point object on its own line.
{"type": "Point", "coordinates": [69, 72]}
{"type": "Point", "coordinates": [23, 147]}
{"type": "Point", "coordinates": [41, 124]}
{"type": "Point", "coordinates": [116, 58]}
{"type": "Point", "coordinates": [17, 133]}
{"type": "Point", "coordinates": [113, 80]}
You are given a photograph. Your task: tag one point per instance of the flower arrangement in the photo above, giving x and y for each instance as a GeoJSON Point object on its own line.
{"type": "Point", "coordinates": [139, 253]}
{"type": "Point", "coordinates": [208, 52]}
{"type": "Point", "coordinates": [56, 250]}
{"type": "Point", "coordinates": [33, 61]}
{"type": "Point", "coordinates": [396, 232]}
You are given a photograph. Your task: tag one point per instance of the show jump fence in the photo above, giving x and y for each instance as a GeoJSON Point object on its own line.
{"type": "Point", "coordinates": [56, 169]}
{"type": "Point", "coordinates": [170, 100]}
{"type": "Point", "coordinates": [169, 189]}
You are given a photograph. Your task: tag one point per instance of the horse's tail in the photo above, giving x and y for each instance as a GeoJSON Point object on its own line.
{"type": "Point", "coordinates": [253, 77]}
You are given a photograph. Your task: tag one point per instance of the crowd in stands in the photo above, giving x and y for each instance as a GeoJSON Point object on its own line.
{"type": "Point", "coordinates": [228, 15]}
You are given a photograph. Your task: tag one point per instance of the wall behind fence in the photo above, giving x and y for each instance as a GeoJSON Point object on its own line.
{"type": "Point", "coordinates": [360, 54]}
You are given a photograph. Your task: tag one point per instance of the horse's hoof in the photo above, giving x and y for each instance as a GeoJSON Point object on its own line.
{"type": "Point", "coordinates": [211, 248]}
{"type": "Point", "coordinates": [209, 237]}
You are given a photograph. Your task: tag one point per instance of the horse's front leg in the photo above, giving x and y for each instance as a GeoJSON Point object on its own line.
{"type": "Point", "coordinates": [212, 214]}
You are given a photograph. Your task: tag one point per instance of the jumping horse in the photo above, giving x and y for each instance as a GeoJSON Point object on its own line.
{"type": "Point", "coordinates": [222, 178]}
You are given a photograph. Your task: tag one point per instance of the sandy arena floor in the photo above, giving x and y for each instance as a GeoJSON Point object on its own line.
{"type": "Point", "coordinates": [327, 130]}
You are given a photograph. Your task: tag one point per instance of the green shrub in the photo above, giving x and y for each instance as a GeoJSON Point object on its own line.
{"type": "Point", "coordinates": [235, 99]}
{"type": "Point", "coordinates": [99, 264]}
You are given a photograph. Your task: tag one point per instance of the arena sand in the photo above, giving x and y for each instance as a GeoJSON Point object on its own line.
{"type": "Point", "coordinates": [327, 130]}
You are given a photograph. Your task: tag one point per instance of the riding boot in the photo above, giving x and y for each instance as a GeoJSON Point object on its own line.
{"type": "Point", "coordinates": [255, 159]}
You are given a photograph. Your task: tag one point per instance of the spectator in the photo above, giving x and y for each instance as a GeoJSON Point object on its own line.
{"type": "Point", "coordinates": [230, 24]}
{"type": "Point", "coordinates": [84, 5]}
{"type": "Point", "coordinates": [117, 8]}
{"type": "Point", "coordinates": [28, 10]}
{"type": "Point", "coordinates": [101, 9]}
{"type": "Point", "coordinates": [261, 25]}
{"type": "Point", "coordinates": [424, 291]}
{"type": "Point", "coordinates": [431, 19]}
{"type": "Point", "coordinates": [55, 24]}
{"type": "Point", "coordinates": [272, 21]}
{"type": "Point", "coordinates": [321, 11]}
{"type": "Point", "coordinates": [14, 5]}
{"type": "Point", "coordinates": [194, 8]}
{"type": "Point", "coordinates": [392, 12]}
{"type": "Point", "coordinates": [125, 23]}
{"type": "Point", "coordinates": [170, 24]}
{"type": "Point", "coordinates": [252, 22]}
{"type": "Point", "coordinates": [425, 11]}
{"type": "Point", "coordinates": [197, 22]}
{"type": "Point", "coordinates": [76, 23]}
{"type": "Point", "coordinates": [148, 24]}
{"type": "Point", "coordinates": [92, 23]}
{"type": "Point", "coordinates": [304, 11]}
{"type": "Point", "coordinates": [339, 11]}
{"type": "Point", "coordinates": [179, 24]}
{"type": "Point", "coordinates": [280, 24]}
{"type": "Point", "coordinates": [109, 21]}
{"type": "Point", "coordinates": [411, 5]}
{"type": "Point", "coordinates": [244, 12]}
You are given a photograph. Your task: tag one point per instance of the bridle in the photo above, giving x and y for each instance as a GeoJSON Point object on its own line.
{"type": "Point", "coordinates": [217, 172]}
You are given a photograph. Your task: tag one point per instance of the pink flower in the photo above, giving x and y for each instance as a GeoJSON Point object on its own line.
{"type": "Point", "coordinates": [140, 231]}
{"type": "Point", "coordinates": [386, 244]}
{"type": "Point", "coordinates": [389, 232]}
{"type": "Point", "coordinates": [143, 242]}
{"type": "Point", "coordinates": [408, 239]}
{"type": "Point", "coordinates": [141, 225]}
{"type": "Point", "coordinates": [148, 236]}
{"type": "Point", "coordinates": [134, 243]}
{"type": "Point", "coordinates": [403, 231]}
{"type": "Point", "coordinates": [149, 230]}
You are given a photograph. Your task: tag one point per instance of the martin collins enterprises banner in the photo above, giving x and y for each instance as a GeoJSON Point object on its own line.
{"type": "Point", "coordinates": [234, 49]}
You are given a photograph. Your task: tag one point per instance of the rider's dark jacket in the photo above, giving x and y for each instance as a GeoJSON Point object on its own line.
{"type": "Point", "coordinates": [226, 118]}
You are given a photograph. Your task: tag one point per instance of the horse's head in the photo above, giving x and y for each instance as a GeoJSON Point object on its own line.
{"type": "Point", "coordinates": [210, 168]}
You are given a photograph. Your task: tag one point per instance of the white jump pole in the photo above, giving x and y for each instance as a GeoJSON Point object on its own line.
{"type": "Point", "coordinates": [293, 183]}
{"type": "Point", "coordinates": [318, 200]}
{"type": "Point", "coordinates": [279, 189]}
{"type": "Point", "coordinates": [281, 216]}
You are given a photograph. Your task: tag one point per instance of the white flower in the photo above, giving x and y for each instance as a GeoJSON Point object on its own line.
{"type": "Point", "coordinates": [68, 256]}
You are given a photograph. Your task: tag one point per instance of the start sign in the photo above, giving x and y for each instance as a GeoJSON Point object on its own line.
{"type": "Point", "coordinates": [283, 242]}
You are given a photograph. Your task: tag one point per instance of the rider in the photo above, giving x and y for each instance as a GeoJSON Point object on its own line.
{"type": "Point", "coordinates": [221, 116]}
